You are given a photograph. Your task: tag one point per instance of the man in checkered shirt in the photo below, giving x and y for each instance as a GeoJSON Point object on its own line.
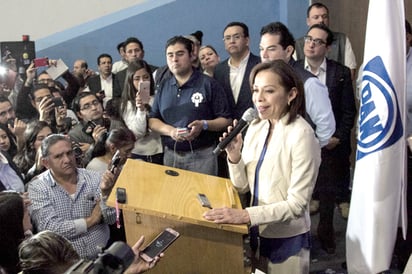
{"type": "Point", "coordinates": [71, 201]}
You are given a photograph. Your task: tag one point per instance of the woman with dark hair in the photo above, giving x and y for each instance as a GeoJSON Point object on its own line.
{"type": "Point", "coordinates": [278, 162]}
{"type": "Point", "coordinates": [27, 158]}
{"type": "Point", "coordinates": [208, 59]}
{"type": "Point", "coordinates": [7, 141]}
{"type": "Point", "coordinates": [134, 107]}
{"type": "Point", "coordinates": [121, 140]}
{"type": "Point", "coordinates": [14, 222]}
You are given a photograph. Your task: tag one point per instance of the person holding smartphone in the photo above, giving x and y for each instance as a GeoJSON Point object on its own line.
{"type": "Point", "coordinates": [136, 101]}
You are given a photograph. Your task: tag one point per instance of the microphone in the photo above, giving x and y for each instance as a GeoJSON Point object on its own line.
{"type": "Point", "coordinates": [248, 116]}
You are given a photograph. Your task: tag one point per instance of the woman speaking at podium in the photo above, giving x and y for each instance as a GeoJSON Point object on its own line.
{"type": "Point", "coordinates": [278, 161]}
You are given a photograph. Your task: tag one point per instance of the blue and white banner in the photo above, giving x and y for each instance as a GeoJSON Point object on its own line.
{"type": "Point", "coordinates": [379, 176]}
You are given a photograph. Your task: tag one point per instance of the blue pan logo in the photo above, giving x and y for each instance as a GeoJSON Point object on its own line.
{"type": "Point", "coordinates": [380, 123]}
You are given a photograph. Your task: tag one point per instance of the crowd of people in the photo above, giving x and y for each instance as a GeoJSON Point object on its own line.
{"type": "Point", "coordinates": [58, 138]}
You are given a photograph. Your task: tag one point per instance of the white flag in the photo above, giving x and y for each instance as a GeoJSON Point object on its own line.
{"type": "Point", "coordinates": [380, 159]}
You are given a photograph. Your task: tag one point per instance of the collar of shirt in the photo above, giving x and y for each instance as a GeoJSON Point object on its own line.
{"type": "Point", "coordinates": [3, 159]}
{"type": "Point", "coordinates": [48, 177]}
{"type": "Point", "coordinates": [242, 63]}
{"type": "Point", "coordinates": [190, 82]}
{"type": "Point", "coordinates": [108, 78]}
{"type": "Point", "coordinates": [320, 73]}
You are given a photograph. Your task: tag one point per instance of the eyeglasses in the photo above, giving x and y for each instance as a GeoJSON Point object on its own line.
{"type": "Point", "coordinates": [89, 105]}
{"type": "Point", "coordinates": [317, 42]}
{"type": "Point", "coordinates": [235, 37]}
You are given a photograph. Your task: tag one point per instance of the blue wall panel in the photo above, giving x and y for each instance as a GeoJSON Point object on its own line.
{"type": "Point", "coordinates": [153, 24]}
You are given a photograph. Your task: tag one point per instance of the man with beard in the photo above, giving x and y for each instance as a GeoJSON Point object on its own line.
{"type": "Point", "coordinates": [71, 201]}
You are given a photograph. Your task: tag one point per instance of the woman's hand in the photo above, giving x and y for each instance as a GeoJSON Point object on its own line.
{"type": "Point", "coordinates": [139, 102]}
{"type": "Point", "coordinates": [139, 265]}
{"type": "Point", "coordinates": [227, 215]}
{"type": "Point", "coordinates": [233, 149]}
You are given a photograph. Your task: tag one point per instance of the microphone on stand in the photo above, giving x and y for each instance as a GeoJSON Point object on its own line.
{"type": "Point", "coordinates": [248, 116]}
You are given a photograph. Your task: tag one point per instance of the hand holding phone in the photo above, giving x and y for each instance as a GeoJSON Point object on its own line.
{"type": "Point", "coordinates": [115, 161]}
{"type": "Point", "coordinates": [57, 101]}
{"type": "Point", "coordinates": [144, 91]}
{"type": "Point", "coordinates": [41, 62]}
{"type": "Point", "coordinates": [89, 127]}
{"type": "Point", "coordinates": [159, 244]}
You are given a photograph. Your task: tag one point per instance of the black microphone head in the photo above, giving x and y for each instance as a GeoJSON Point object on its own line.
{"type": "Point", "coordinates": [249, 115]}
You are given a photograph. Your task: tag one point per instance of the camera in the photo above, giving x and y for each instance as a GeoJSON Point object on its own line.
{"type": "Point", "coordinates": [116, 259]}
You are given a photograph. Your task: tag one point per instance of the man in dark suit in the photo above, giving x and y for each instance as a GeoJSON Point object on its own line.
{"type": "Point", "coordinates": [106, 80]}
{"type": "Point", "coordinates": [133, 50]}
{"type": "Point", "coordinates": [233, 73]}
{"type": "Point", "coordinates": [334, 172]}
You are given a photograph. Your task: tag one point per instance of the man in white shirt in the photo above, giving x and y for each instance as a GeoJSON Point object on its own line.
{"type": "Point", "coordinates": [105, 81]}
{"type": "Point", "coordinates": [122, 63]}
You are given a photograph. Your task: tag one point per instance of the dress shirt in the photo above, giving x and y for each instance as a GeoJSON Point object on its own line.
{"type": "Point", "coordinates": [107, 86]}
{"type": "Point", "coordinates": [54, 209]}
{"type": "Point", "coordinates": [9, 177]}
{"type": "Point", "coordinates": [236, 76]}
{"type": "Point", "coordinates": [321, 71]}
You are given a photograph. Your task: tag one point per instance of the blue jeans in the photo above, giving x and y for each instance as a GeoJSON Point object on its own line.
{"type": "Point", "coordinates": [200, 160]}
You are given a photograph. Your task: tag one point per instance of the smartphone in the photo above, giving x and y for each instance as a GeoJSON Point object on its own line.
{"type": "Point", "coordinates": [89, 127]}
{"type": "Point", "coordinates": [41, 62]}
{"type": "Point", "coordinates": [159, 244]}
{"type": "Point", "coordinates": [121, 195]}
{"type": "Point", "coordinates": [204, 201]}
{"type": "Point", "coordinates": [57, 101]}
{"type": "Point", "coordinates": [183, 131]}
{"type": "Point", "coordinates": [144, 91]}
{"type": "Point", "coordinates": [115, 161]}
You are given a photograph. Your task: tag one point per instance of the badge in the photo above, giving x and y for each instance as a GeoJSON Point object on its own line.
{"type": "Point", "coordinates": [197, 98]}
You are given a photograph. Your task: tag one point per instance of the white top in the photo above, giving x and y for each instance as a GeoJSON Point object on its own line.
{"type": "Point", "coordinates": [119, 66]}
{"type": "Point", "coordinates": [236, 76]}
{"type": "Point", "coordinates": [148, 142]}
{"type": "Point", "coordinates": [350, 60]}
{"type": "Point", "coordinates": [97, 164]}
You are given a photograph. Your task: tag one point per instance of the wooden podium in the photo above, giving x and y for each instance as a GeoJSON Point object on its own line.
{"type": "Point", "coordinates": [156, 200]}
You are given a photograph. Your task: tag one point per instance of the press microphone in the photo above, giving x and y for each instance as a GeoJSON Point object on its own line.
{"type": "Point", "coordinates": [248, 116]}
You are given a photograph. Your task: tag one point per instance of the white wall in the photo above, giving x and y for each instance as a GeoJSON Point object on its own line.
{"type": "Point", "coordinates": [40, 18]}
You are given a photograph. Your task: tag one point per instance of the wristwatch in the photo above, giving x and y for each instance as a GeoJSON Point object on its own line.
{"type": "Point", "coordinates": [205, 125]}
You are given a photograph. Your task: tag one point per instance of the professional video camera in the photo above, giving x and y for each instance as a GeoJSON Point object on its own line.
{"type": "Point", "coordinates": [116, 259]}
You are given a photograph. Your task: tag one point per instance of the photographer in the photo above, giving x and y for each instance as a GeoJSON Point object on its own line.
{"type": "Point", "coordinates": [89, 110]}
{"type": "Point", "coordinates": [48, 252]}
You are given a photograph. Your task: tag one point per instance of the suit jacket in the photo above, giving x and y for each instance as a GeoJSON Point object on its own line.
{"type": "Point", "coordinates": [222, 75]}
{"type": "Point", "coordinates": [286, 179]}
{"type": "Point", "coordinates": [96, 86]}
{"type": "Point", "coordinates": [342, 99]}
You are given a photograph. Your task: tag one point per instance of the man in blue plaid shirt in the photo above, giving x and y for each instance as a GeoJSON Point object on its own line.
{"type": "Point", "coordinates": [71, 201]}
